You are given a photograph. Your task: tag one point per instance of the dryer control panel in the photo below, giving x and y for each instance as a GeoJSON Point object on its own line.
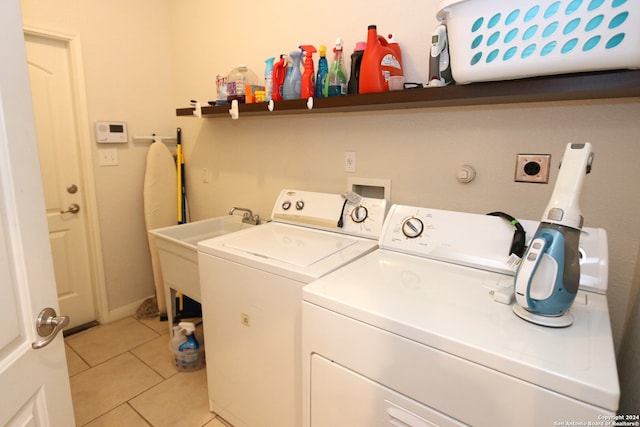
{"type": "Point", "coordinates": [481, 241]}
{"type": "Point", "coordinates": [354, 215]}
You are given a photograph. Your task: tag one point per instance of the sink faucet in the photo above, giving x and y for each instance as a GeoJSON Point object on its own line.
{"type": "Point", "coordinates": [247, 217]}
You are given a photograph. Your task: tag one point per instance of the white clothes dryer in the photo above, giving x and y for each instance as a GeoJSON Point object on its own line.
{"type": "Point", "coordinates": [251, 285]}
{"type": "Point", "coordinates": [414, 334]}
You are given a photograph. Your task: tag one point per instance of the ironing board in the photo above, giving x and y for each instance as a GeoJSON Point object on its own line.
{"type": "Point", "coordinates": [160, 205]}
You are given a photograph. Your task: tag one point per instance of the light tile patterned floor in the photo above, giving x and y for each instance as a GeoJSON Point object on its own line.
{"type": "Point", "coordinates": [122, 374]}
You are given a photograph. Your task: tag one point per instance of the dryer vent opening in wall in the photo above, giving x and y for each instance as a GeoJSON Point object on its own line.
{"type": "Point", "coordinates": [532, 168]}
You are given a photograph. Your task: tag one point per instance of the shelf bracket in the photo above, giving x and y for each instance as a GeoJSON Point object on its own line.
{"type": "Point", "coordinates": [197, 111]}
{"type": "Point", "coordinates": [271, 106]}
{"type": "Point", "coordinates": [310, 103]}
{"type": "Point", "coordinates": [235, 113]}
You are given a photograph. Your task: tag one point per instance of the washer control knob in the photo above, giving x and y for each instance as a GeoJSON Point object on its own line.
{"type": "Point", "coordinates": [412, 227]}
{"type": "Point", "coordinates": [299, 205]}
{"type": "Point", "coordinates": [286, 205]}
{"type": "Point", "coordinates": [359, 214]}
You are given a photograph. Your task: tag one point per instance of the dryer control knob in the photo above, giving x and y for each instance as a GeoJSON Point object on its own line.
{"type": "Point", "coordinates": [412, 227]}
{"type": "Point", "coordinates": [299, 205]}
{"type": "Point", "coordinates": [359, 214]}
{"type": "Point", "coordinates": [286, 205]}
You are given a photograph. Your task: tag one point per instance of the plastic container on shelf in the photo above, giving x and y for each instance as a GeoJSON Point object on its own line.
{"type": "Point", "coordinates": [221, 90]}
{"type": "Point", "coordinates": [356, 60]}
{"type": "Point", "coordinates": [268, 78]}
{"type": "Point", "coordinates": [279, 74]}
{"type": "Point", "coordinates": [491, 40]}
{"type": "Point", "coordinates": [379, 62]}
{"type": "Point", "coordinates": [237, 81]}
{"type": "Point", "coordinates": [336, 80]}
{"type": "Point", "coordinates": [323, 70]}
{"type": "Point", "coordinates": [308, 85]}
{"type": "Point", "coordinates": [293, 79]}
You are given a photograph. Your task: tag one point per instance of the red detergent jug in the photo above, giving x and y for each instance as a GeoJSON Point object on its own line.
{"type": "Point", "coordinates": [379, 62]}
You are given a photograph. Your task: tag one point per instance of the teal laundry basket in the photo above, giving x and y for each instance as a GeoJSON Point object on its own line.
{"type": "Point", "coordinates": [502, 40]}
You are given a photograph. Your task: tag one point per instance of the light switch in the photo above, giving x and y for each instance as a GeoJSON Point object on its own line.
{"type": "Point", "coordinates": [108, 157]}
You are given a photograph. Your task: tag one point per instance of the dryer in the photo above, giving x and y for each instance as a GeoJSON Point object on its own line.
{"type": "Point", "coordinates": [251, 285]}
{"type": "Point", "coordinates": [420, 333]}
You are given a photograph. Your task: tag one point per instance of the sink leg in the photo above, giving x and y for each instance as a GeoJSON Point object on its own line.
{"type": "Point", "coordinates": [170, 295]}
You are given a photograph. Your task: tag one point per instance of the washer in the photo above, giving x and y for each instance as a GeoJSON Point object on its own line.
{"type": "Point", "coordinates": [251, 283]}
{"type": "Point", "coordinates": [416, 332]}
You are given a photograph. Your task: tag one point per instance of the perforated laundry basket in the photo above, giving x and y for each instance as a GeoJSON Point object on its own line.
{"type": "Point", "coordinates": [510, 39]}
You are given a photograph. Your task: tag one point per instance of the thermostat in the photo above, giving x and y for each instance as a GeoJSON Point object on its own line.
{"type": "Point", "coordinates": [111, 132]}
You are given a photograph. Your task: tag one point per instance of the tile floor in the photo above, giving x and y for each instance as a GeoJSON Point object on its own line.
{"type": "Point", "coordinates": [122, 374]}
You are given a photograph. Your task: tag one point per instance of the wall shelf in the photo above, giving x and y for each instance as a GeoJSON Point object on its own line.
{"type": "Point", "coordinates": [566, 87]}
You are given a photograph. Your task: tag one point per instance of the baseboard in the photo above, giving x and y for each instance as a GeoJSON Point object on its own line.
{"type": "Point", "coordinates": [125, 311]}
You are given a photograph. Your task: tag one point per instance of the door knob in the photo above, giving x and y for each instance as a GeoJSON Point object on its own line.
{"type": "Point", "coordinates": [73, 208]}
{"type": "Point", "coordinates": [48, 324]}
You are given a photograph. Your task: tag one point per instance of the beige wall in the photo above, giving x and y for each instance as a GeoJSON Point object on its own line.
{"type": "Point", "coordinates": [127, 65]}
{"type": "Point", "coordinates": [419, 150]}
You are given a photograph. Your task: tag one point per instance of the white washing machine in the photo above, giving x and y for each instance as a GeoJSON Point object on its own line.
{"type": "Point", "coordinates": [412, 334]}
{"type": "Point", "coordinates": [251, 283]}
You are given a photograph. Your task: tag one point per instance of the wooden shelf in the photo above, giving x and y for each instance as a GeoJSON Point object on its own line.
{"type": "Point", "coordinates": [566, 87]}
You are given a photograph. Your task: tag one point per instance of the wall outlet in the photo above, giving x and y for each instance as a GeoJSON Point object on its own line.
{"type": "Point", "coordinates": [349, 161]}
{"type": "Point", "coordinates": [532, 168]}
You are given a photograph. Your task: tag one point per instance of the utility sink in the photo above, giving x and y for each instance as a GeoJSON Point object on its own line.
{"type": "Point", "coordinates": [178, 253]}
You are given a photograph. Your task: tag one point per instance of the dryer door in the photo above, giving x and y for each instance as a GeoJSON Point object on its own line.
{"type": "Point", "coordinates": [343, 398]}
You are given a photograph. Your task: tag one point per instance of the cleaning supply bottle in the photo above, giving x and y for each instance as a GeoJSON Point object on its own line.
{"type": "Point", "coordinates": [308, 85]}
{"type": "Point", "coordinates": [178, 338]}
{"type": "Point", "coordinates": [356, 61]}
{"type": "Point", "coordinates": [336, 83]}
{"type": "Point", "coordinates": [237, 80]}
{"type": "Point", "coordinates": [268, 78]}
{"type": "Point", "coordinates": [379, 62]}
{"type": "Point", "coordinates": [293, 79]}
{"type": "Point", "coordinates": [279, 73]}
{"type": "Point", "coordinates": [190, 348]}
{"type": "Point", "coordinates": [323, 70]}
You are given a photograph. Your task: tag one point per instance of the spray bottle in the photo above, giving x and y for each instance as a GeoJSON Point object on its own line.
{"type": "Point", "coordinates": [336, 83]}
{"type": "Point", "coordinates": [279, 73]}
{"type": "Point", "coordinates": [323, 70]}
{"type": "Point", "coordinates": [293, 79]}
{"type": "Point", "coordinates": [268, 78]}
{"type": "Point", "coordinates": [308, 86]}
{"type": "Point", "coordinates": [188, 350]}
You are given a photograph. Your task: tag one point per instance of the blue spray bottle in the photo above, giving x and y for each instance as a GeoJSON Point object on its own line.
{"type": "Point", "coordinates": [268, 78]}
{"type": "Point", "coordinates": [293, 80]}
{"type": "Point", "coordinates": [323, 69]}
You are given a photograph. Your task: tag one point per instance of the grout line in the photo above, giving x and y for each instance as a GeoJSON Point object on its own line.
{"type": "Point", "coordinates": [128, 402]}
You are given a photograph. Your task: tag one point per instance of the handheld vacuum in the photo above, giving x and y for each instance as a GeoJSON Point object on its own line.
{"type": "Point", "coordinates": [547, 279]}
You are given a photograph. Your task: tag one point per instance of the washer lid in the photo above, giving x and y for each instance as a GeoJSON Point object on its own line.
{"type": "Point", "coordinates": [292, 245]}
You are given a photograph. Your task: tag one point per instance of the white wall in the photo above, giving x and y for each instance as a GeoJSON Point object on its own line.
{"type": "Point", "coordinates": [419, 150]}
{"type": "Point", "coordinates": [127, 63]}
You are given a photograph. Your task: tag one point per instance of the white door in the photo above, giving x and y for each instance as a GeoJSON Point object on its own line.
{"type": "Point", "coordinates": [55, 110]}
{"type": "Point", "coordinates": [34, 384]}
